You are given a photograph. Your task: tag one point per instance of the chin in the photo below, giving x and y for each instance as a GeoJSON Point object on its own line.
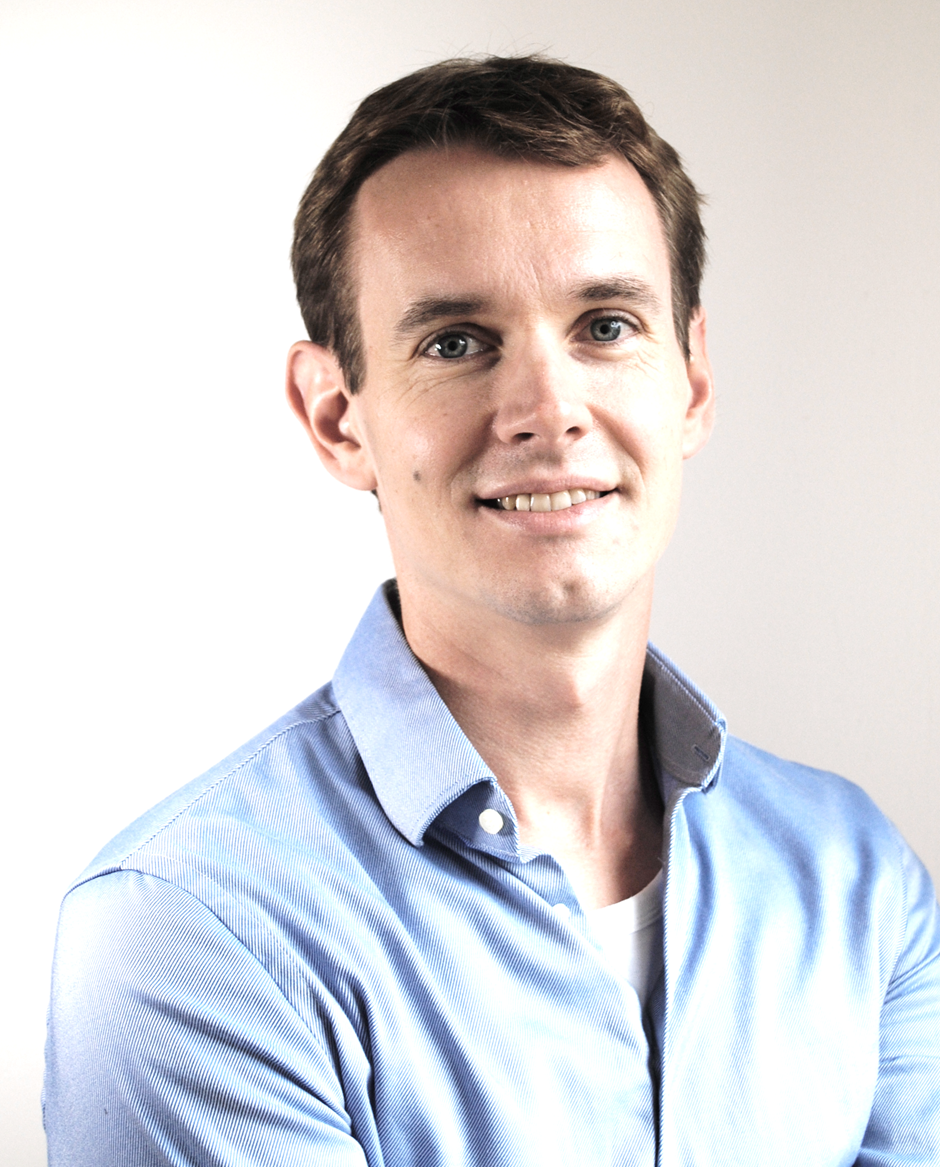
{"type": "Point", "coordinates": [572, 601]}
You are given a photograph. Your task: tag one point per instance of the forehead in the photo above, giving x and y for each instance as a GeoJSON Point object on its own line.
{"type": "Point", "coordinates": [468, 222]}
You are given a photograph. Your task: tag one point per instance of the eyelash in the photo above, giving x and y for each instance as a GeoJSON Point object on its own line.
{"type": "Point", "coordinates": [621, 318]}
{"type": "Point", "coordinates": [447, 334]}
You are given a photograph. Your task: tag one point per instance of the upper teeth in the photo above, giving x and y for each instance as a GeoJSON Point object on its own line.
{"type": "Point", "coordinates": [559, 501]}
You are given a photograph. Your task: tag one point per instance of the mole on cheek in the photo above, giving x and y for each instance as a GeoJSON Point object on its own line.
{"type": "Point", "coordinates": [416, 476]}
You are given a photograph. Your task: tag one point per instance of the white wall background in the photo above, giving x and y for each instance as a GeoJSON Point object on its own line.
{"type": "Point", "coordinates": [178, 571]}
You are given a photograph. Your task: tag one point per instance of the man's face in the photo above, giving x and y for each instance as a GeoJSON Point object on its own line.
{"type": "Point", "coordinates": [519, 343]}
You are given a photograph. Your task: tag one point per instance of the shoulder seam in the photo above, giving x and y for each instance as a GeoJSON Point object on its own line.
{"type": "Point", "coordinates": [228, 774]}
{"type": "Point", "coordinates": [119, 865]}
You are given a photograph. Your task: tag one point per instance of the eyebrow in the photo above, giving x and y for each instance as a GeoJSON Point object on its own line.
{"type": "Point", "coordinates": [430, 308]}
{"type": "Point", "coordinates": [630, 288]}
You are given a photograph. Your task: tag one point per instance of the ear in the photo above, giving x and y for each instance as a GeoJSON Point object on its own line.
{"type": "Point", "coordinates": [700, 415]}
{"type": "Point", "coordinates": [317, 393]}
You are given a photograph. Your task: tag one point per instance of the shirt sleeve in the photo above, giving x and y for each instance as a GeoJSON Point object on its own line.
{"type": "Point", "coordinates": [169, 1043]}
{"type": "Point", "coordinates": [904, 1127]}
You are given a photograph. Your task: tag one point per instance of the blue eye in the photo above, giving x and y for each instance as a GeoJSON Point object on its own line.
{"type": "Point", "coordinates": [606, 328]}
{"type": "Point", "coordinates": [451, 347]}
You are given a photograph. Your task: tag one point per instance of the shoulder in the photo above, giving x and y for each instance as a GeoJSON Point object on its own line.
{"type": "Point", "coordinates": [294, 760]}
{"type": "Point", "coordinates": [801, 804]}
{"type": "Point", "coordinates": [817, 848]}
{"type": "Point", "coordinates": [277, 844]}
{"type": "Point", "coordinates": [803, 818]}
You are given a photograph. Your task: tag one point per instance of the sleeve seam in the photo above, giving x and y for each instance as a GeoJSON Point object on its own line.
{"type": "Point", "coordinates": [273, 939]}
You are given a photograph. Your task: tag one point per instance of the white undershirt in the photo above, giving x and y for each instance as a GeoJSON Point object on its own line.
{"type": "Point", "coordinates": [631, 935]}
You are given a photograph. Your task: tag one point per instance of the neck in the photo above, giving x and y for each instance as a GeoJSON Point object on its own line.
{"type": "Point", "coordinates": [552, 708]}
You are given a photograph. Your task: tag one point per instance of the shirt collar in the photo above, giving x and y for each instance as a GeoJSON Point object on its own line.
{"type": "Point", "coordinates": [420, 761]}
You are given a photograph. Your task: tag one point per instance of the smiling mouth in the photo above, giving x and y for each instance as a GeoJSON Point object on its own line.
{"type": "Point", "coordinates": [561, 500]}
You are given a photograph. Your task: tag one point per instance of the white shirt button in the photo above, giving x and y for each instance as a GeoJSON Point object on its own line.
{"type": "Point", "coordinates": [491, 821]}
{"type": "Point", "coordinates": [563, 912]}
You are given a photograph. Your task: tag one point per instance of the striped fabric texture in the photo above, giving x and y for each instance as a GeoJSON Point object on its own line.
{"type": "Point", "coordinates": [315, 954]}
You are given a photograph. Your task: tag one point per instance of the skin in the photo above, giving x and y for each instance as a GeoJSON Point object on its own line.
{"type": "Point", "coordinates": [552, 287]}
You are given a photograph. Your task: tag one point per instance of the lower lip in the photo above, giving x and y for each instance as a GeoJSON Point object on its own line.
{"type": "Point", "coordinates": [550, 522]}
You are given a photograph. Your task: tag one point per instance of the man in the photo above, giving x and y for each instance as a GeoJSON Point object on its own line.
{"type": "Point", "coordinates": [503, 893]}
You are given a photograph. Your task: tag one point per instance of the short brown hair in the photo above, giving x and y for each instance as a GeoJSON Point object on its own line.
{"type": "Point", "coordinates": [518, 107]}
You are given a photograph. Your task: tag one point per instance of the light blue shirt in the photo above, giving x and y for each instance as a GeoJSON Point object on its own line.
{"type": "Point", "coordinates": [315, 955]}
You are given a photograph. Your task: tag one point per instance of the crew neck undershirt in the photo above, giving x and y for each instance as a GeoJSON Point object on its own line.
{"type": "Point", "coordinates": [631, 936]}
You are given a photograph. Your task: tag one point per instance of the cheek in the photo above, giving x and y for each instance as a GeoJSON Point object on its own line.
{"type": "Point", "coordinates": [416, 463]}
{"type": "Point", "coordinates": [409, 467]}
{"type": "Point", "coordinates": [431, 447]}
{"type": "Point", "coordinates": [659, 417]}
{"type": "Point", "coordinates": [651, 436]}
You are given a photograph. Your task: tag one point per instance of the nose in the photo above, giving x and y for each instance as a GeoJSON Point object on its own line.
{"type": "Point", "coordinates": [541, 399]}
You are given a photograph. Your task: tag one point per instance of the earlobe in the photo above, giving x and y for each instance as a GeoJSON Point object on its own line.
{"type": "Point", "coordinates": [700, 415]}
{"type": "Point", "coordinates": [317, 393]}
